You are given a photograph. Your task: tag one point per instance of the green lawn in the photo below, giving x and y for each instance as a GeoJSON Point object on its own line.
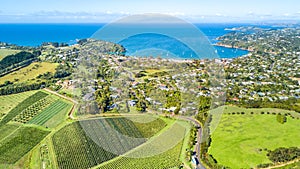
{"type": "Point", "coordinates": [237, 140]}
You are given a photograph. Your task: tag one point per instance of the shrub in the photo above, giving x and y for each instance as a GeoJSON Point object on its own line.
{"type": "Point", "coordinates": [281, 118]}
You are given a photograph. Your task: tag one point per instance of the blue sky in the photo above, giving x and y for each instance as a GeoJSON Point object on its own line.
{"type": "Point", "coordinates": [109, 10]}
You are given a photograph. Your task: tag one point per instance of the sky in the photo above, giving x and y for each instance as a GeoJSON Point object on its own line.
{"type": "Point", "coordinates": [18, 11]}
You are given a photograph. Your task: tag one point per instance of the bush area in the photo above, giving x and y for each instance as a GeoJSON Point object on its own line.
{"type": "Point", "coordinates": [22, 87]}
{"type": "Point", "coordinates": [284, 154]}
{"type": "Point", "coordinates": [16, 60]}
{"type": "Point", "coordinates": [291, 104]}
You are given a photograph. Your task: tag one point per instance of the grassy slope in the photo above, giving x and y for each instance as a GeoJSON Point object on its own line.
{"type": "Point", "coordinates": [238, 138]}
{"type": "Point", "coordinates": [6, 52]}
{"type": "Point", "coordinates": [230, 109]}
{"type": "Point", "coordinates": [29, 73]}
{"type": "Point", "coordinates": [10, 101]}
{"type": "Point", "coordinates": [7, 130]}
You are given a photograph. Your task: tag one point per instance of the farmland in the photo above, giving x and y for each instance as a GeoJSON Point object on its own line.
{"type": "Point", "coordinates": [48, 112]}
{"type": "Point", "coordinates": [7, 130]}
{"type": "Point", "coordinates": [162, 151]}
{"type": "Point", "coordinates": [20, 142]}
{"type": "Point", "coordinates": [74, 149]}
{"type": "Point", "coordinates": [10, 101]}
{"type": "Point", "coordinates": [151, 128]}
{"type": "Point", "coordinates": [242, 140]}
{"type": "Point", "coordinates": [89, 143]}
{"type": "Point", "coordinates": [21, 106]}
{"type": "Point", "coordinates": [168, 159]}
{"type": "Point", "coordinates": [29, 73]}
{"type": "Point", "coordinates": [34, 109]}
{"type": "Point", "coordinates": [17, 137]}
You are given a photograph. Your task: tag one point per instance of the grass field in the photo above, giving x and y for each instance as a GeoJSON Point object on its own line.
{"type": "Point", "coordinates": [241, 141]}
{"type": "Point", "coordinates": [6, 52]}
{"type": "Point", "coordinates": [7, 130]}
{"type": "Point", "coordinates": [230, 109]}
{"type": "Point", "coordinates": [10, 101]}
{"type": "Point", "coordinates": [29, 73]}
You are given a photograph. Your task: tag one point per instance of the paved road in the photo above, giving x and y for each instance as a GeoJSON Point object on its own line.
{"type": "Point", "coordinates": [199, 135]}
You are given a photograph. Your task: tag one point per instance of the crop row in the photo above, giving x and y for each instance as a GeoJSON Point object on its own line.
{"type": "Point", "coordinates": [162, 151]}
{"type": "Point", "coordinates": [168, 159]}
{"type": "Point", "coordinates": [48, 112]}
{"type": "Point", "coordinates": [74, 150]}
{"type": "Point", "coordinates": [22, 106]}
{"type": "Point", "coordinates": [15, 146]}
{"type": "Point", "coordinates": [34, 109]}
{"type": "Point", "coordinates": [88, 143]}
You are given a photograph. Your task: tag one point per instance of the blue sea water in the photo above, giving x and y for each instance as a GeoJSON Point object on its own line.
{"type": "Point", "coordinates": [36, 34]}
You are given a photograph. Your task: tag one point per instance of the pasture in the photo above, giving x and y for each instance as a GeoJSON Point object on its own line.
{"type": "Point", "coordinates": [29, 73]}
{"type": "Point", "coordinates": [242, 140]}
{"type": "Point", "coordinates": [6, 52]}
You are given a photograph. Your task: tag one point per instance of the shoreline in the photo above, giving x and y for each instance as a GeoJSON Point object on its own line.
{"type": "Point", "coordinates": [232, 47]}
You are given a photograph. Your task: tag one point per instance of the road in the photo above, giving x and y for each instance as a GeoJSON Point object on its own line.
{"type": "Point", "coordinates": [199, 135]}
{"type": "Point", "coordinates": [67, 98]}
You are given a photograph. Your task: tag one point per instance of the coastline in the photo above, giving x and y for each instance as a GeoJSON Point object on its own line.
{"type": "Point", "coordinates": [232, 47]}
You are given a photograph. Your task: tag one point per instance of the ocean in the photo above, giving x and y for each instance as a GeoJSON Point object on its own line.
{"type": "Point", "coordinates": [36, 34]}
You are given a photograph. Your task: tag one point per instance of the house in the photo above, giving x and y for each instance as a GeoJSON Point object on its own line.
{"type": "Point", "coordinates": [114, 96]}
{"type": "Point", "coordinates": [132, 103]}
